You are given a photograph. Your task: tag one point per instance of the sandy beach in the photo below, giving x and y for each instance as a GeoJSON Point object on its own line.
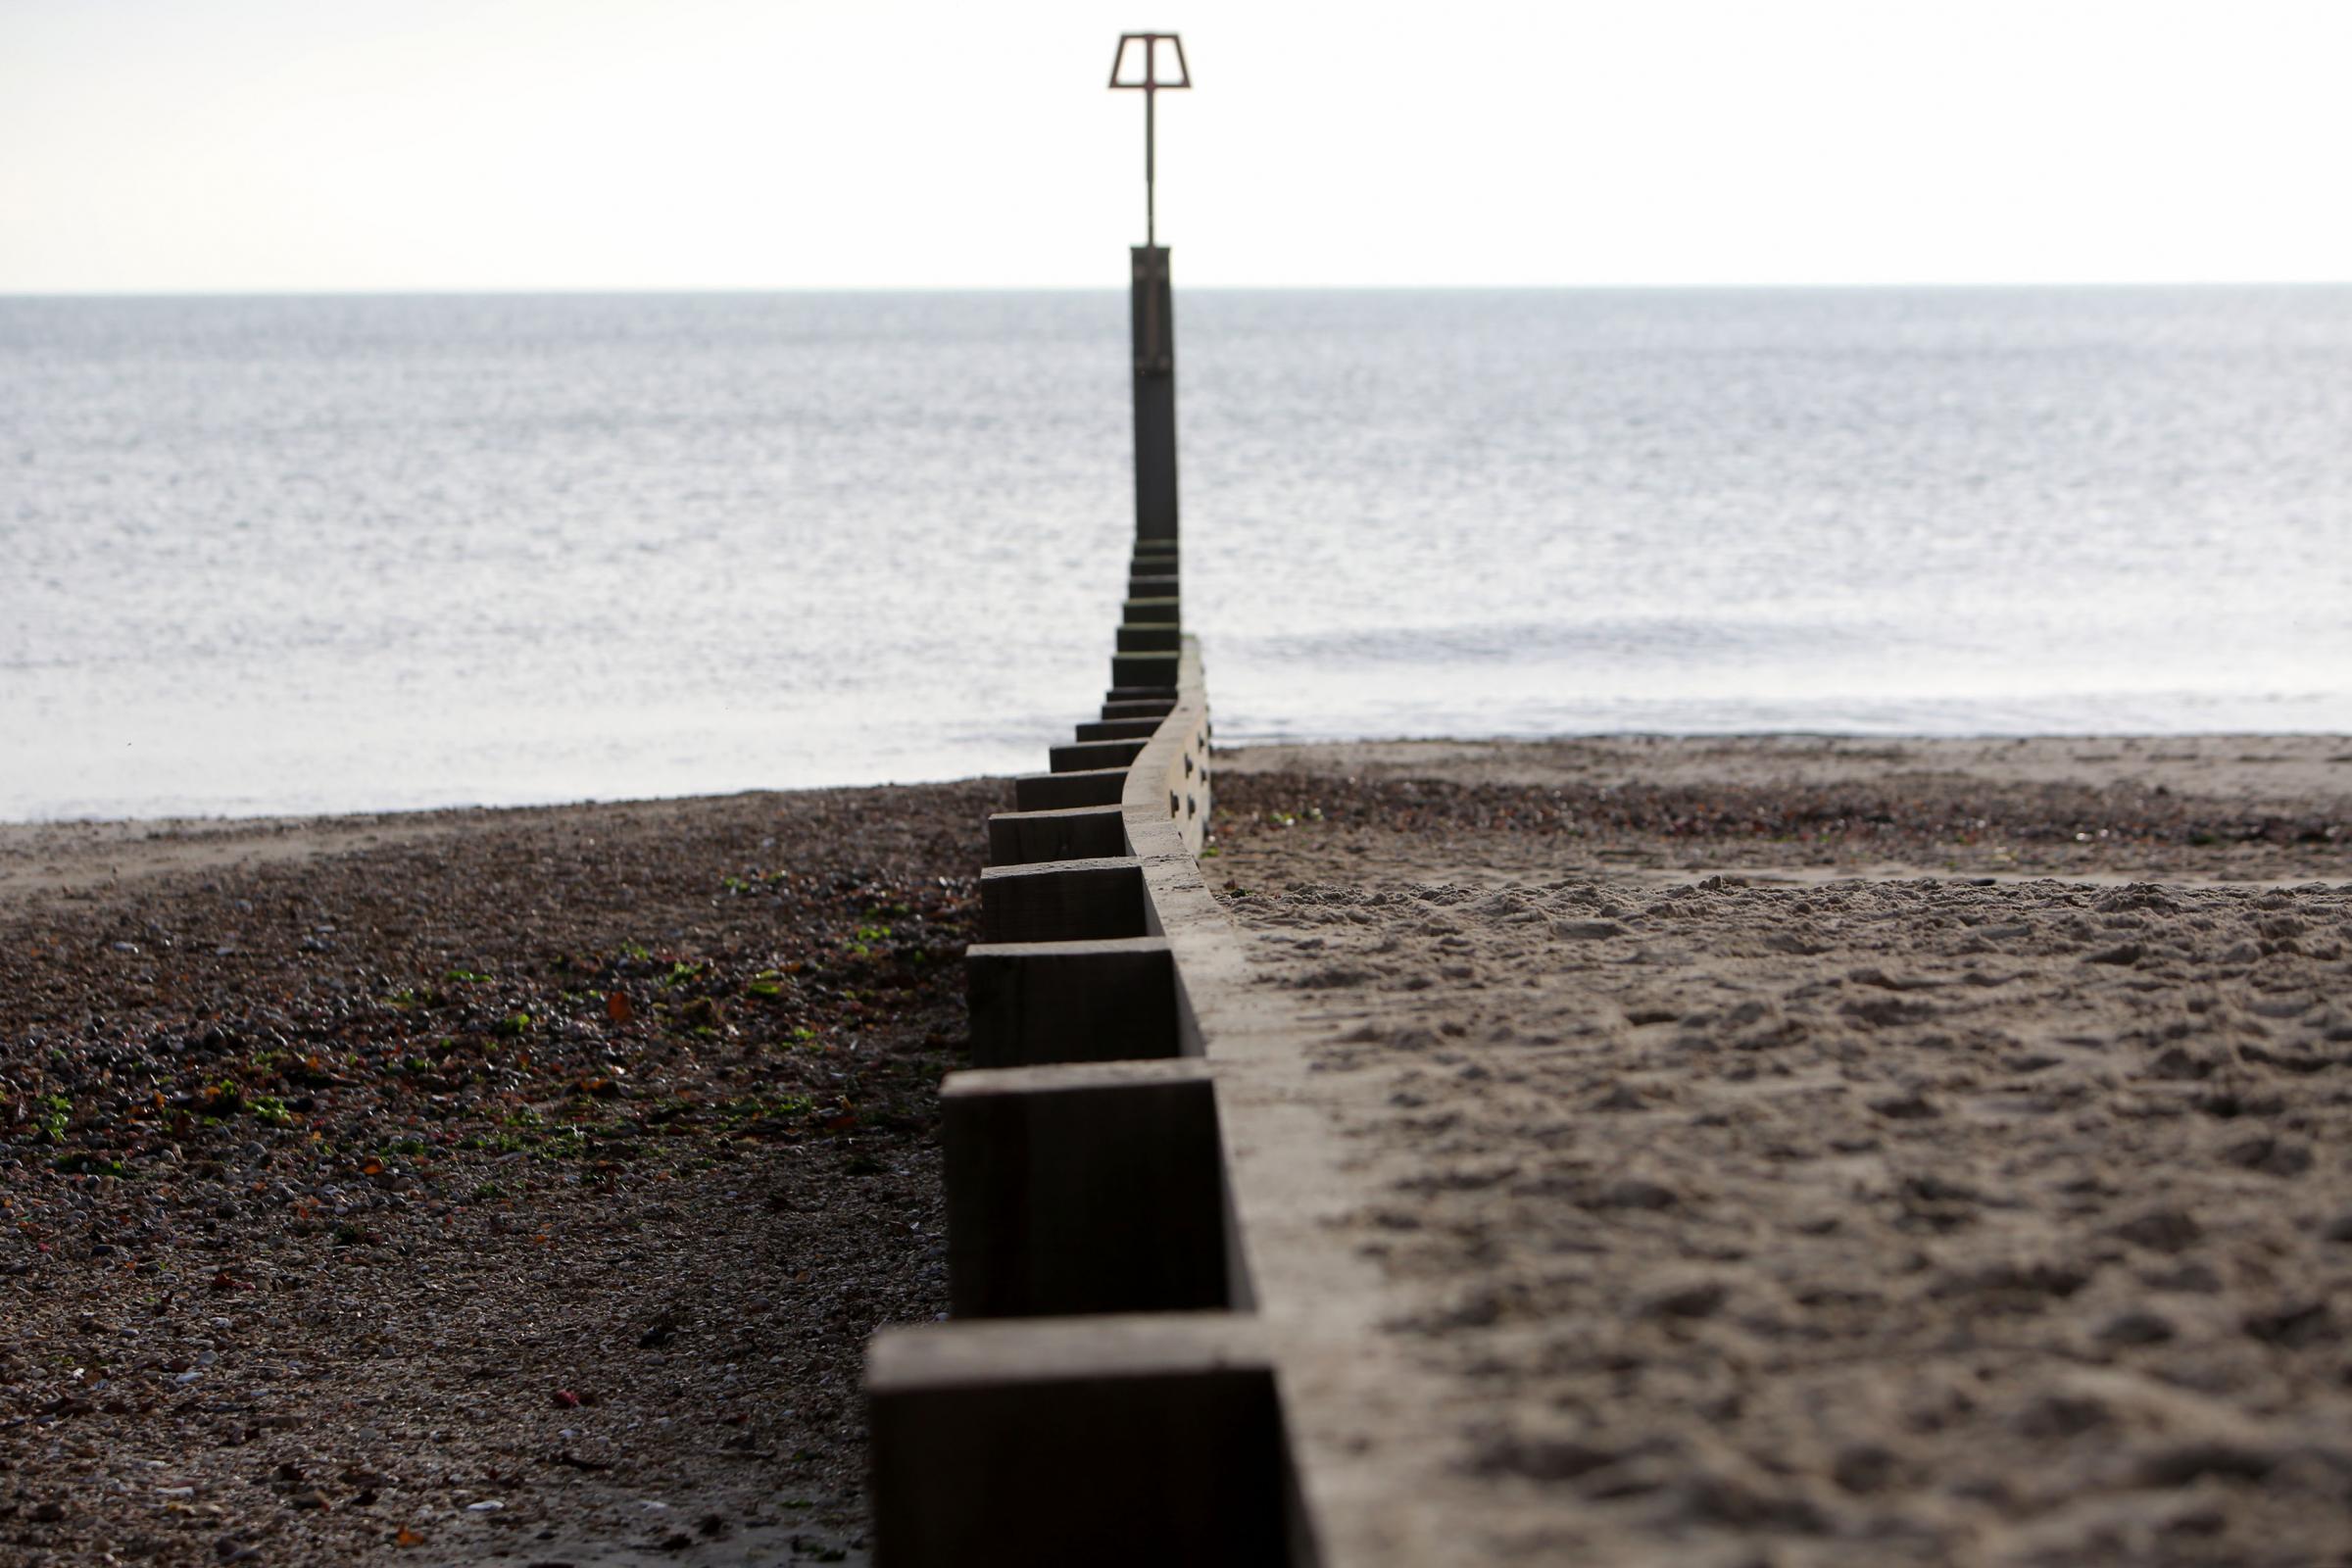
{"type": "Point", "coordinates": [1806, 1152]}
{"type": "Point", "coordinates": [463, 1185]}
{"type": "Point", "coordinates": [1779, 1150]}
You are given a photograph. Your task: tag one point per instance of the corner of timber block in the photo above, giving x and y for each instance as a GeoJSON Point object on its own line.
{"type": "Point", "coordinates": [1035, 1003]}
{"type": "Point", "coordinates": [1145, 1441]}
{"type": "Point", "coordinates": [1085, 1187]}
{"type": "Point", "coordinates": [1062, 901]}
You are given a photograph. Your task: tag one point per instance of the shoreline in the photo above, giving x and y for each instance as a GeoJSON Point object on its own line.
{"type": "Point", "coordinates": [71, 858]}
{"type": "Point", "coordinates": [2283, 772]}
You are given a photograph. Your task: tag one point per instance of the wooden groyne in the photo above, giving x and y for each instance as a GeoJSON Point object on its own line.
{"type": "Point", "coordinates": [1103, 1392]}
{"type": "Point", "coordinates": [1106, 1391]}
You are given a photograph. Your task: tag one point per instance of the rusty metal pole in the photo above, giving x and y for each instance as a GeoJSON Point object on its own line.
{"type": "Point", "coordinates": [1152, 308]}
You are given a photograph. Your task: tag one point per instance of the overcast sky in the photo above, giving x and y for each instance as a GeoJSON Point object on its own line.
{"type": "Point", "coordinates": [524, 144]}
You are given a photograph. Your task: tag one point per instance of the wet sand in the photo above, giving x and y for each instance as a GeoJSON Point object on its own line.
{"type": "Point", "coordinates": [1819, 1152]}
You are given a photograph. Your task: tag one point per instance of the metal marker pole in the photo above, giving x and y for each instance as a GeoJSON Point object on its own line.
{"type": "Point", "coordinates": [1150, 144]}
{"type": "Point", "coordinates": [1151, 311]}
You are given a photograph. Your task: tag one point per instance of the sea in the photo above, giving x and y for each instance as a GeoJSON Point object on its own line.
{"type": "Point", "coordinates": [313, 554]}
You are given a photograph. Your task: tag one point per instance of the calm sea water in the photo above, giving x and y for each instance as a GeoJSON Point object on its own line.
{"type": "Point", "coordinates": [324, 554]}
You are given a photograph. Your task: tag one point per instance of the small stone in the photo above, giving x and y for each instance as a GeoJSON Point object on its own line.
{"type": "Point", "coordinates": [1542, 1458]}
{"type": "Point", "coordinates": [2271, 1156]}
{"type": "Point", "coordinates": [2058, 1414]}
{"type": "Point", "coordinates": [1637, 1191]}
{"type": "Point", "coordinates": [2137, 1326]}
{"type": "Point", "coordinates": [2164, 1229]}
{"type": "Point", "coordinates": [1864, 1467]}
{"type": "Point", "coordinates": [2193, 1277]}
{"type": "Point", "coordinates": [1689, 1298]}
{"type": "Point", "coordinates": [2295, 1324]}
{"type": "Point", "coordinates": [2186, 1462]}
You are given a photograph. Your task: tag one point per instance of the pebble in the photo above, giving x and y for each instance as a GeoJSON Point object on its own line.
{"type": "Point", "coordinates": [2164, 1229]}
{"type": "Point", "coordinates": [1635, 1191]}
{"type": "Point", "coordinates": [2137, 1326]}
{"type": "Point", "coordinates": [1689, 1298]}
{"type": "Point", "coordinates": [1864, 1467]}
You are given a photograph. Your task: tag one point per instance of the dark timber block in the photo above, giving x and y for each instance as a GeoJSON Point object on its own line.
{"type": "Point", "coordinates": [1062, 901]}
{"type": "Point", "coordinates": [1095, 1187]}
{"type": "Point", "coordinates": [1048, 792]}
{"type": "Point", "coordinates": [1150, 639]}
{"type": "Point", "coordinates": [1165, 612]}
{"type": "Point", "coordinates": [1151, 707]}
{"type": "Point", "coordinates": [1077, 757]}
{"type": "Point", "coordinates": [1117, 729]}
{"type": "Point", "coordinates": [1043, 1002]}
{"type": "Point", "coordinates": [1145, 1442]}
{"type": "Point", "coordinates": [1151, 587]}
{"type": "Point", "coordinates": [1144, 669]}
{"type": "Point", "coordinates": [1148, 694]}
{"type": "Point", "coordinates": [1072, 833]}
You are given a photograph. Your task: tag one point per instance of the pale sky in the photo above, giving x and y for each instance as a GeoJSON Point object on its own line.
{"type": "Point", "coordinates": [628, 144]}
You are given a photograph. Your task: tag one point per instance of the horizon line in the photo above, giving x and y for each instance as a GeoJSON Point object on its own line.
{"type": "Point", "coordinates": [689, 289]}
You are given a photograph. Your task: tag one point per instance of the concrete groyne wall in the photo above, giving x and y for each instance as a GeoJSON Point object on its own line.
{"type": "Point", "coordinates": [1103, 1392]}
